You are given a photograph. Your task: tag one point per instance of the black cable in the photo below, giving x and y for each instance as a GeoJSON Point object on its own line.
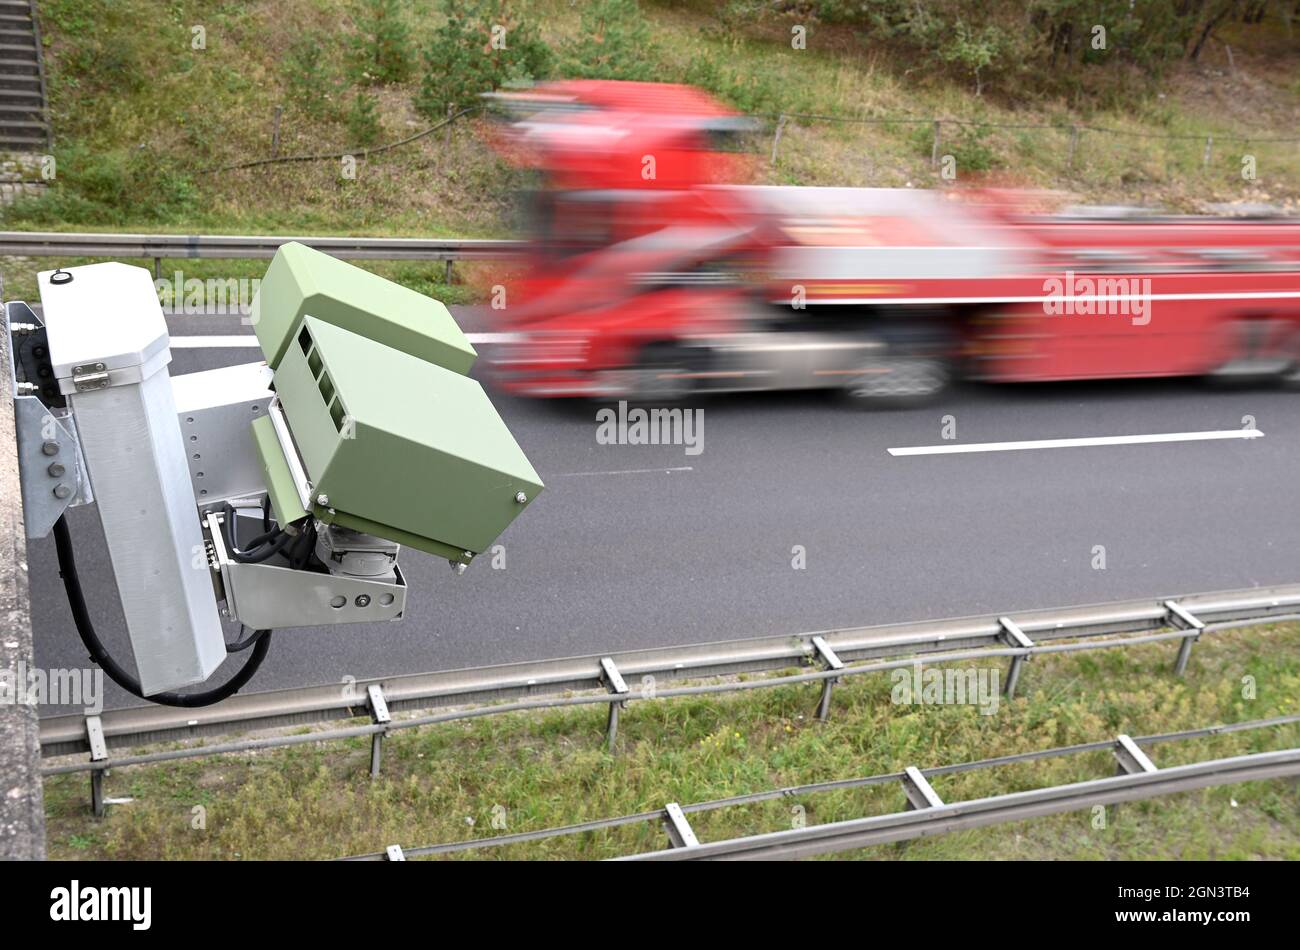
{"type": "Point", "coordinates": [261, 548]}
{"type": "Point", "coordinates": [99, 654]}
{"type": "Point", "coordinates": [246, 642]}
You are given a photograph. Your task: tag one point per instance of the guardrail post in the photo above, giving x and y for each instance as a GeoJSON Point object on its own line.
{"type": "Point", "coordinates": [831, 662]}
{"type": "Point", "coordinates": [679, 829]}
{"type": "Point", "coordinates": [447, 273]}
{"type": "Point", "coordinates": [1182, 619]}
{"type": "Point", "coordinates": [379, 713]}
{"type": "Point", "coordinates": [920, 793]}
{"type": "Point", "coordinates": [1130, 758]}
{"type": "Point", "coordinates": [1074, 145]}
{"type": "Point", "coordinates": [614, 683]}
{"type": "Point", "coordinates": [1014, 636]}
{"type": "Point", "coordinates": [98, 753]}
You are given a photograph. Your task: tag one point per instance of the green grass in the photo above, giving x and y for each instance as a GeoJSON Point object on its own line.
{"type": "Point", "coordinates": [143, 124]}
{"type": "Point", "coordinates": [446, 783]}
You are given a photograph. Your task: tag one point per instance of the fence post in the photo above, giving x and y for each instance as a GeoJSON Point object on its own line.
{"type": "Point", "coordinates": [1074, 145]}
{"type": "Point", "coordinates": [22, 803]}
{"type": "Point", "coordinates": [934, 150]}
{"type": "Point", "coordinates": [776, 139]}
{"type": "Point", "coordinates": [1209, 144]}
{"type": "Point", "coordinates": [275, 132]}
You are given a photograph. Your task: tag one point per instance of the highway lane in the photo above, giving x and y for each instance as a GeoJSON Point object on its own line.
{"type": "Point", "coordinates": [700, 547]}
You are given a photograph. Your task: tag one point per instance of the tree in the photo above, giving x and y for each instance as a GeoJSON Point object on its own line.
{"type": "Point", "coordinates": [483, 45]}
{"type": "Point", "coordinates": [613, 42]}
{"type": "Point", "coordinates": [382, 50]}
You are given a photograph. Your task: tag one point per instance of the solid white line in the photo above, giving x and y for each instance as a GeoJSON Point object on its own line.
{"type": "Point", "coordinates": [248, 340]}
{"type": "Point", "coordinates": [1073, 443]}
{"type": "Point", "coordinates": [813, 294]}
{"type": "Point", "coordinates": [213, 342]}
{"type": "Point", "coordinates": [628, 471]}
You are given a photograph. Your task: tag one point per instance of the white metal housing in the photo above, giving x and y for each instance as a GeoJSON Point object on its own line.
{"type": "Point", "coordinates": [109, 348]}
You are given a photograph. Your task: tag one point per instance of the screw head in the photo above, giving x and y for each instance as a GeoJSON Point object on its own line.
{"type": "Point", "coordinates": [56, 470]}
{"type": "Point", "coordinates": [323, 500]}
{"type": "Point", "coordinates": [50, 447]}
{"type": "Point", "coordinates": [520, 497]}
{"type": "Point", "coordinates": [62, 491]}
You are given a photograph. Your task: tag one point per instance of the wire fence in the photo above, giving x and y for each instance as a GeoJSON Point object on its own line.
{"type": "Point", "coordinates": [1067, 142]}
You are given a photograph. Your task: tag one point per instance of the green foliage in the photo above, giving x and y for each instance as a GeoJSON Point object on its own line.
{"type": "Point", "coordinates": [312, 84]}
{"type": "Point", "coordinates": [613, 42]}
{"type": "Point", "coordinates": [363, 119]}
{"type": "Point", "coordinates": [483, 45]}
{"type": "Point", "coordinates": [382, 52]}
{"type": "Point", "coordinates": [1045, 43]}
{"type": "Point", "coordinates": [100, 187]}
{"type": "Point", "coordinates": [748, 91]}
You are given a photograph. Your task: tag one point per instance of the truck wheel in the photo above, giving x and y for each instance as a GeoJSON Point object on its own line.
{"type": "Point", "coordinates": [903, 382]}
{"type": "Point", "coordinates": [1290, 377]}
{"type": "Point", "coordinates": [657, 376]}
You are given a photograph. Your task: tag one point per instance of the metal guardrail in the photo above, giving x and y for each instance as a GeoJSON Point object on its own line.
{"type": "Point", "coordinates": [927, 813]}
{"type": "Point", "coordinates": [230, 246]}
{"type": "Point", "coordinates": [491, 690]}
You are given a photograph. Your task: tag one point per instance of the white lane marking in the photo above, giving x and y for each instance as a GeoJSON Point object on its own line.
{"type": "Point", "coordinates": [627, 471]}
{"type": "Point", "coordinates": [213, 342]}
{"type": "Point", "coordinates": [234, 341]}
{"type": "Point", "coordinates": [1103, 298]}
{"type": "Point", "coordinates": [1073, 443]}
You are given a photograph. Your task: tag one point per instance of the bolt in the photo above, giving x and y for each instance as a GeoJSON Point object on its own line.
{"type": "Point", "coordinates": [363, 600]}
{"type": "Point", "coordinates": [56, 470]}
{"type": "Point", "coordinates": [50, 448]}
{"type": "Point", "coordinates": [62, 491]}
{"type": "Point", "coordinates": [323, 500]}
{"type": "Point", "coordinates": [520, 497]}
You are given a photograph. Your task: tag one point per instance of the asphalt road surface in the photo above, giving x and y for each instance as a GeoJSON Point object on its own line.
{"type": "Point", "coordinates": [642, 546]}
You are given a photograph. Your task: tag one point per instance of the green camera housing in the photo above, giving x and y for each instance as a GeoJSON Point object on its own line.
{"type": "Point", "coordinates": [392, 441]}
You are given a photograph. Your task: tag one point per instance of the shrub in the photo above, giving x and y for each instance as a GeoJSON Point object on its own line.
{"type": "Point", "coordinates": [613, 42]}
{"type": "Point", "coordinates": [483, 45]}
{"type": "Point", "coordinates": [382, 52]}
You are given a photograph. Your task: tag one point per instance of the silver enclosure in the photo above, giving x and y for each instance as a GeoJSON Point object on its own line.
{"type": "Point", "coordinates": [109, 347]}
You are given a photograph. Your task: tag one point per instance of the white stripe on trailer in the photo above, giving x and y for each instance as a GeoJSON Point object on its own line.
{"type": "Point", "coordinates": [958, 448]}
{"type": "Point", "coordinates": [1056, 299]}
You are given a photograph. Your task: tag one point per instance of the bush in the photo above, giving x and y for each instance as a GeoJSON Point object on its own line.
{"type": "Point", "coordinates": [613, 42]}
{"type": "Point", "coordinates": [483, 45]}
{"type": "Point", "coordinates": [101, 187]}
{"type": "Point", "coordinates": [363, 119]}
{"type": "Point", "coordinates": [382, 52]}
{"type": "Point", "coordinates": [310, 82]}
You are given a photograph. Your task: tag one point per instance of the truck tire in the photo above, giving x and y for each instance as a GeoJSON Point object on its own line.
{"type": "Point", "coordinates": [902, 382]}
{"type": "Point", "coordinates": [1290, 377]}
{"type": "Point", "coordinates": [656, 377]}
